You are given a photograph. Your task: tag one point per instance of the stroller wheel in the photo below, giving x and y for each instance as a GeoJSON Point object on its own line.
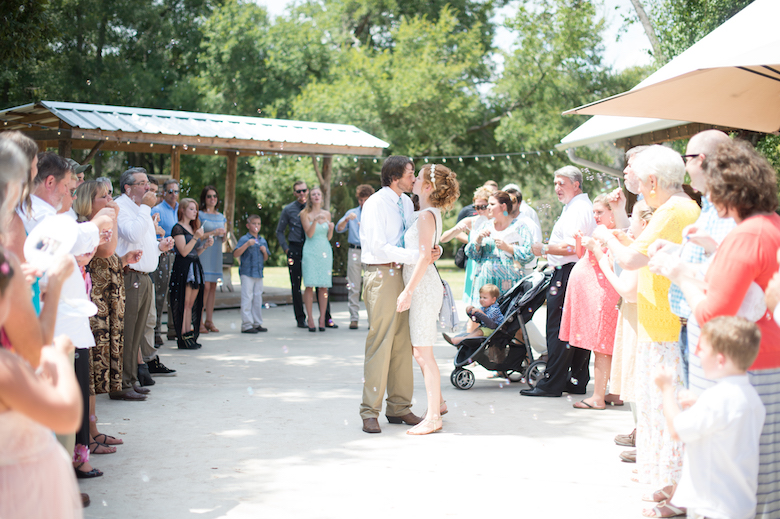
{"type": "Point", "coordinates": [462, 378]}
{"type": "Point", "coordinates": [535, 372]}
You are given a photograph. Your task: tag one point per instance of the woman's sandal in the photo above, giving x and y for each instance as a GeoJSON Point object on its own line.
{"type": "Point", "coordinates": [664, 509]}
{"type": "Point", "coordinates": [81, 474]}
{"type": "Point", "coordinates": [659, 496]}
{"type": "Point", "coordinates": [211, 327]}
{"type": "Point", "coordinates": [203, 328]}
{"type": "Point", "coordinates": [107, 440]}
{"type": "Point", "coordinates": [96, 447]}
{"type": "Point", "coordinates": [424, 427]}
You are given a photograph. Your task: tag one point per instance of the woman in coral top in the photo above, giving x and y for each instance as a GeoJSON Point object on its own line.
{"type": "Point", "coordinates": [657, 173]}
{"type": "Point", "coordinates": [743, 186]}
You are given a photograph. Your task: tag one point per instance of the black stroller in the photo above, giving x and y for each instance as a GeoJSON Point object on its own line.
{"type": "Point", "coordinates": [501, 351]}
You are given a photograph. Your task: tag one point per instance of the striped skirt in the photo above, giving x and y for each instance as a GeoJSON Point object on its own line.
{"type": "Point", "coordinates": [767, 384]}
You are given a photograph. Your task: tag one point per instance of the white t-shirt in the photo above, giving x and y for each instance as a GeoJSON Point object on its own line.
{"type": "Point", "coordinates": [721, 432]}
{"type": "Point", "coordinates": [577, 215]}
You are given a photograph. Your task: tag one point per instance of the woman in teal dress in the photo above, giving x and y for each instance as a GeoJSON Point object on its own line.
{"type": "Point", "coordinates": [317, 263]}
{"type": "Point", "coordinates": [497, 245]}
{"type": "Point", "coordinates": [215, 226]}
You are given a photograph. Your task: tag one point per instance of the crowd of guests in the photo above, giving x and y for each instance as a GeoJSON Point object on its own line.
{"type": "Point", "coordinates": [88, 315]}
{"type": "Point", "coordinates": [671, 301]}
{"type": "Point", "coordinates": [676, 301]}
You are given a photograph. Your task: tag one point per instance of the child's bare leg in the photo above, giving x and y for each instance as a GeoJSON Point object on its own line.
{"type": "Point", "coordinates": [475, 333]}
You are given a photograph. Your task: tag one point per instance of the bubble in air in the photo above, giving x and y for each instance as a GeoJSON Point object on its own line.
{"type": "Point", "coordinates": [558, 284]}
{"type": "Point", "coordinates": [290, 261]}
{"type": "Point", "coordinates": [492, 411]}
{"type": "Point", "coordinates": [232, 326]}
{"type": "Point", "coordinates": [250, 391]}
{"type": "Point", "coordinates": [135, 285]}
{"type": "Point", "coordinates": [284, 350]}
{"type": "Point", "coordinates": [89, 82]}
{"type": "Point", "coordinates": [219, 282]}
{"type": "Point", "coordinates": [553, 291]}
{"type": "Point", "coordinates": [392, 272]}
{"type": "Point", "coordinates": [346, 422]}
{"type": "Point", "coordinates": [338, 245]}
{"type": "Point", "coordinates": [574, 381]}
{"type": "Point", "coordinates": [259, 206]}
{"type": "Point", "coordinates": [144, 478]}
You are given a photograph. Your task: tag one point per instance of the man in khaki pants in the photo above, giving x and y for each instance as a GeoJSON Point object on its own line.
{"type": "Point", "coordinates": [386, 216]}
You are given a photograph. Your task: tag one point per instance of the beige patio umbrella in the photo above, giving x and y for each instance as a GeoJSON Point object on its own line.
{"type": "Point", "coordinates": [730, 78]}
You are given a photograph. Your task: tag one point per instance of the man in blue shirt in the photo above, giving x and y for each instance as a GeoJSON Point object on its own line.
{"type": "Point", "coordinates": [351, 221]}
{"type": "Point", "coordinates": [167, 213]}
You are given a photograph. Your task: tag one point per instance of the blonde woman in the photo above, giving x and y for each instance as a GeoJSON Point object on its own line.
{"type": "Point", "coordinates": [437, 189]}
{"type": "Point", "coordinates": [317, 263]}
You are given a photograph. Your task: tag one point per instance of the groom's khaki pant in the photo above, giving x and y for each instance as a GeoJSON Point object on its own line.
{"type": "Point", "coordinates": [388, 363]}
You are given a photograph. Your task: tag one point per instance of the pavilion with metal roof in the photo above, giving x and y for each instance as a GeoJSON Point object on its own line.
{"type": "Point", "coordinates": [68, 126]}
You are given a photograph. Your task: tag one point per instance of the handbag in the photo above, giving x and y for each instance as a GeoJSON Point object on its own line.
{"type": "Point", "coordinates": [460, 257]}
{"type": "Point", "coordinates": [448, 315]}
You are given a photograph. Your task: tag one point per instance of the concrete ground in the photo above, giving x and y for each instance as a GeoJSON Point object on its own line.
{"type": "Point", "coordinates": [267, 426]}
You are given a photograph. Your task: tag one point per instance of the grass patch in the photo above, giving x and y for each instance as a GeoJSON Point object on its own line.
{"type": "Point", "coordinates": [279, 277]}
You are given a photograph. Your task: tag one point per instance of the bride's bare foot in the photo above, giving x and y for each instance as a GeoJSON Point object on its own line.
{"type": "Point", "coordinates": [425, 427]}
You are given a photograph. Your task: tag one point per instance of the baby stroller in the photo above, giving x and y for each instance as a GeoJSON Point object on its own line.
{"type": "Point", "coordinates": [501, 351]}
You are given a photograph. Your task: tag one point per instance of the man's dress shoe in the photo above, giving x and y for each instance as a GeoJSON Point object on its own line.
{"type": "Point", "coordinates": [409, 419]}
{"type": "Point", "coordinates": [128, 395]}
{"type": "Point", "coordinates": [371, 425]}
{"type": "Point", "coordinates": [141, 390]}
{"type": "Point", "coordinates": [537, 392]}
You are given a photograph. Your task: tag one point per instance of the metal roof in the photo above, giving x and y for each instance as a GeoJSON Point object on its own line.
{"type": "Point", "coordinates": [602, 128]}
{"type": "Point", "coordinates": [126, 119]}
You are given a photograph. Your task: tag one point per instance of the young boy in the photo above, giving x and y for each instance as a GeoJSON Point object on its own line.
{"type": "Point", "coordinates": [253, 250]}
{"type": "Point", "coordinates": [489, 315]}
{"type": "Point", "coordinates": [721, 429]}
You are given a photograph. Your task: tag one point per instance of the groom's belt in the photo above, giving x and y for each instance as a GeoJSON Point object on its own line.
{"type": "Point", "coordinates": [391, 265]}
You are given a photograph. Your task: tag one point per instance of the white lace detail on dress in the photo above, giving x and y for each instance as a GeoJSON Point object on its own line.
{"type": "Point", "coordinates": [427, 296]}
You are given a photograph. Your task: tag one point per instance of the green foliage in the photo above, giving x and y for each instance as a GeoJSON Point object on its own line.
{"type": "Point", "coordinates": [681, 23]}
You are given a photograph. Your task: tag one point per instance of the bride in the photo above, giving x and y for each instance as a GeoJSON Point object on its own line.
{"type": "Point", "coordinates": [437, 189]}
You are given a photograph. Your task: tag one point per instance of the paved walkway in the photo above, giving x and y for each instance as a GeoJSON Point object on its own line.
{"type": "Point", "coordinates": [267, 426]}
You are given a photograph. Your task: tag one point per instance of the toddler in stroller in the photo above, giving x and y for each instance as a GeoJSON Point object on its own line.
{"type": "Point", "coordinates": [508, 348]}
{"type": "Point", "coordinates": [489, 315]}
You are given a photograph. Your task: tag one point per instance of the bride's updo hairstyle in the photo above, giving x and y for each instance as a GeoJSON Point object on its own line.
{"type": "Point", "coordinates": [446, 189]}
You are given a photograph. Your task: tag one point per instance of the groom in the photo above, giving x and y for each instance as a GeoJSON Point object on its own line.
{"type": "Point", "coordinates": [387, 214]}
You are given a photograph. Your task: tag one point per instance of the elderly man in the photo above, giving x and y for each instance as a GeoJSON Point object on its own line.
{"type": "Point", "coordinates": [351, 221]}
{"type": "Point", "coordinates": [567, 368]}
{"type": "Point", "coordinates": [136, 231]}
{"type": "Point", "coordinates": [166, 214]}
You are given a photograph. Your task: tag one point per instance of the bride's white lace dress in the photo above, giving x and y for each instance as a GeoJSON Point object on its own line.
{"type": "Point", "coordinates": [427, 296]}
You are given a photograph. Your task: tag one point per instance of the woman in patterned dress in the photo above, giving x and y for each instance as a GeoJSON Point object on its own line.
{"type": "Point", "coordinates": [108, 294]}
{"type": "Point", "coordinates": [497, 245]}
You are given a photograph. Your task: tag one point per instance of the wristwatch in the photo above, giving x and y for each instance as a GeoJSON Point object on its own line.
{"type": "Point", "coordinates": [545, 248]}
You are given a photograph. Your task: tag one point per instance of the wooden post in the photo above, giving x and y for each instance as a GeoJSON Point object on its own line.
{"type": "Point", "coordinates": [65, 144]}
{"type": "Point", "coordinates": [230, 190]}
{"type": "Point", "coordinates": [327, 170]}
{"type": "Point", "coordinates": [175, 170]}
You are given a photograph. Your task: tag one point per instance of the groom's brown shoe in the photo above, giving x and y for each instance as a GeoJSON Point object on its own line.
{"type": "Point", "coordinates": [409, 419]}
{"type": "Point", "coordinates": [371, 425]}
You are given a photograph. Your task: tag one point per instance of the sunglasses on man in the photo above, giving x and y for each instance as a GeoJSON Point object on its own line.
{"type": "Point", "coordinates": [301, 191]}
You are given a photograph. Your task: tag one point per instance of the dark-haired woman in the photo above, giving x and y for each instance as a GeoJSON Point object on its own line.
{"type": "Point", "coordinates": [498, 244]}
{"type": "Point", "coordinates": [186, 286]}
{"type": "Point", "coordinates": [215, 226]}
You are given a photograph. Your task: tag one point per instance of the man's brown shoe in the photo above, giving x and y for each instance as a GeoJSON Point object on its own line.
{"type": "Point", "coordinates": [141, 390]}
{"type": "Point", "coordinates": [371, 425]}
{"type": "Point", "coordinates": [353, 325]}
{"type": "Point", "coordinates": [409, 419]}
{"type": "Point", "coordinates": [127, 395]}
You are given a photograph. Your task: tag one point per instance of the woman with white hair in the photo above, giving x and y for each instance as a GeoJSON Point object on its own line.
{"type": "Point", "coordinates": [657, 174]}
